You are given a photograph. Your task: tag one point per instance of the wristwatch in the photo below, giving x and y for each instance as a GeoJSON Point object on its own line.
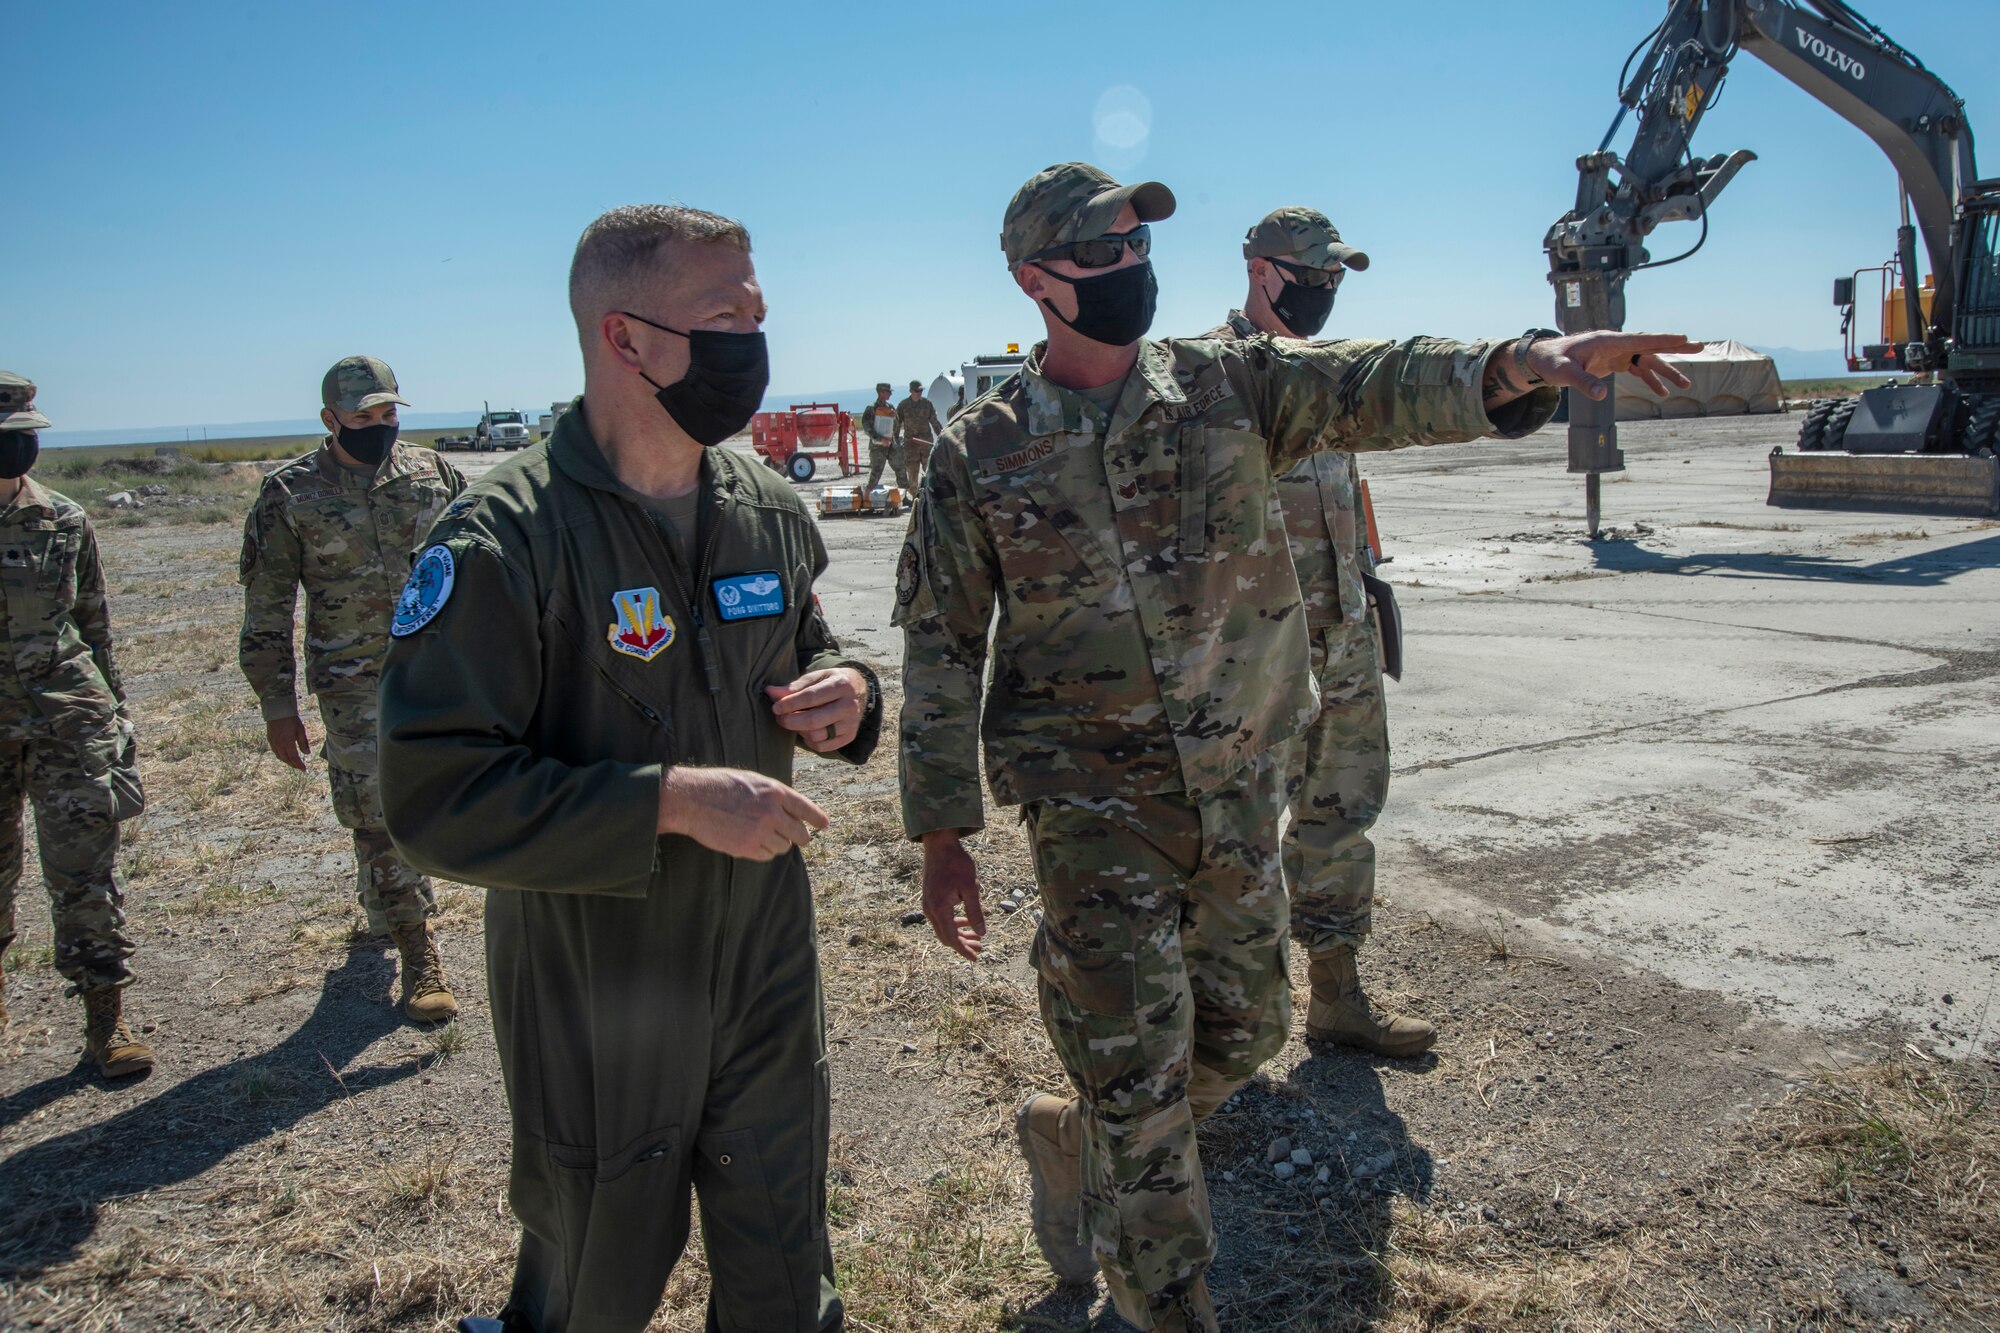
{"type": "Point", "coordinates": [1521, 346]}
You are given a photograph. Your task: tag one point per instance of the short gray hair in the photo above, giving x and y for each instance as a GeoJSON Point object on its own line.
{"type": "Point", "coordinates": [622, 249]}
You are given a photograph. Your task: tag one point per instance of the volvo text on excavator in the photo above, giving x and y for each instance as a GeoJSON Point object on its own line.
{"type": "Point", "coordinates": [1925, 442]}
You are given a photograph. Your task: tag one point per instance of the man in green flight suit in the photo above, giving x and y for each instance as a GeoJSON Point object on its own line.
{"type": "Point", "coordinates": [1111, 505]}
{"type": "Point", "coordinates": [1340, 769]}
{"type": "Point", "coordinates": [601, 671]}
{"type": "Point", "coordinates": [344, 523]}
{"type": "Point", "coordinates": [65, 742]}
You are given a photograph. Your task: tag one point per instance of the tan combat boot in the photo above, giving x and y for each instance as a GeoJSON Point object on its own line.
{"type": "Point", "coordinates": [107, 1040]}
{"type": "Point", "coordinates": [425, 997]}
{"type": "Point", "coordinates": [1051, 1133]}
{"type": "Point", "coordinates": [1341, 1013]}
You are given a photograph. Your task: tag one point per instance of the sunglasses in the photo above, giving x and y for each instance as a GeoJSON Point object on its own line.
{"type": "Point", "coordinates": [1310, 277]}
{"type": "Point", "coordinates": [1100, 251]}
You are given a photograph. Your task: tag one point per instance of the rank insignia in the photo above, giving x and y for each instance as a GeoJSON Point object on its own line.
{"type": "Point", "coordinates": [642, 630]}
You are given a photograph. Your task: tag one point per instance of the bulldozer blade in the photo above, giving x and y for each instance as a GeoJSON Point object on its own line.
{"type": "Point", "coordinates": [1892, 483]}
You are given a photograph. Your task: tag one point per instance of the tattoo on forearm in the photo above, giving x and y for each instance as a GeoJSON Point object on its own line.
{"type": "Point", "coordinates": [1499, 385]}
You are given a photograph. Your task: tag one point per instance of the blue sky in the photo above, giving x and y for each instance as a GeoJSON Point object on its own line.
{"type": "Point", "coordinates": [210, 203]}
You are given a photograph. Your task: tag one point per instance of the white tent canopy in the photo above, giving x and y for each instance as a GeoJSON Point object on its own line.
{"type": "Point", "coordinates": [1730, 380]}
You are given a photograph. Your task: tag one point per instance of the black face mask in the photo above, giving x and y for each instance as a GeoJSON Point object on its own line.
{"type": "Point", "coordinates": [18, 449]}
{"type": "Point", "coordinates": [366, 445]}
{"type": "Point", "coordinates": [1304, 309]}
{"type": "Point", "coordinates": [1113, 308]}
{"type": "Point", "coordinates": [724, 386]}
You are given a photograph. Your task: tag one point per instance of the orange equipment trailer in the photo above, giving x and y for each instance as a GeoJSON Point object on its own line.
{"type": "Point", "coordinates": [793, 441]}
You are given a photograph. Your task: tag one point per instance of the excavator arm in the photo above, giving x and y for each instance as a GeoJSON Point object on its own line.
{"type": "Point", "coordinates": [1671, 81]}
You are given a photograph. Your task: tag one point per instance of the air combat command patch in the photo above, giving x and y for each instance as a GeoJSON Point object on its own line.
{"type": "Point", "coordinates": [642, 630]}
{"type": "Point", "coordinates": [425, 594]}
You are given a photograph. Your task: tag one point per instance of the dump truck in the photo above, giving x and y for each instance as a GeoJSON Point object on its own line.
{"type": "Point", "coordinates": [1925, 442]}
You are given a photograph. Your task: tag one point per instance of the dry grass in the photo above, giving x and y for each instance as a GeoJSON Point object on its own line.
{"type": "Point", "coordinates": [368, 1194]}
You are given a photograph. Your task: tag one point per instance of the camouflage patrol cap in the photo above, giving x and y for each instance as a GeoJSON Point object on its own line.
{"type": "Point", "coordinates": [17, 403]}
{"type": "Point", "coordinates": [1304, 236]}
{"type": "Point", "coordinates": [357, 383]}
{"type": "Point", "coordinates": [1074, 201]}
{"type": "Point", "coordinates": [916, 386]}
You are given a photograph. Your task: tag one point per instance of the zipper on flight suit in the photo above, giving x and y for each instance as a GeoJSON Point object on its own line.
{"type": "Point", "coordinates": [707, 533]}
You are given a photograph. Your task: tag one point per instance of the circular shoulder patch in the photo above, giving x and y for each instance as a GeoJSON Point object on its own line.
{"type": "Point", "coordinates": [907, 574]}
{"type": "Point", "coordinates": [426, 592]}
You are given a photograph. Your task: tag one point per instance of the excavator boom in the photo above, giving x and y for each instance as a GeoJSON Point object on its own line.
{"type": "Point", "coordinates": [1831, 51]}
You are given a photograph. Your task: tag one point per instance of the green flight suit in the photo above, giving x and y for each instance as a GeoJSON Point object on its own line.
{"type": "Point", "coordinates": [656, 1003]}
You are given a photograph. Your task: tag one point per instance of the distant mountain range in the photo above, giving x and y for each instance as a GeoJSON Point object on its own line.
{"type": "Point", "coordinates": [250, 430]}
{"type": "Point", "coordinates": [1793, 364]}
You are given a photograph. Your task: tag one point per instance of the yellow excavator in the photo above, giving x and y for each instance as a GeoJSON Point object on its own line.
{"type": "Point", "coordinates": [1923, 442]}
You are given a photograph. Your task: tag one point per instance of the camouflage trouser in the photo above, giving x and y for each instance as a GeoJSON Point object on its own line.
{"type": "Point", "coordinates": [916, 457]}
{"type": "Point", "coordinates": [78, 841]}
{"type": "Point", "coordinates": [1339, 778]}
{"type": "Point", "coordinates": [881, 453]}
{"type": "Point", "coordinates": [391, 893]}
{"type": "Point", "coordinates": [1161, 958]}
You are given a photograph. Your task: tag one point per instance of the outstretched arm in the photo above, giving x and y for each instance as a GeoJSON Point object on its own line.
{"type": "Point", "coordinates": [1582, 362]}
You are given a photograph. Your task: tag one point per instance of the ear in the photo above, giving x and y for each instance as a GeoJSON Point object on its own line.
{"type": "Point", "coordinates": [331, 422]}
{"type": "Point", "coordinates": [1031, 280]}
{"type": "Point", "coordinates": [615, 332]}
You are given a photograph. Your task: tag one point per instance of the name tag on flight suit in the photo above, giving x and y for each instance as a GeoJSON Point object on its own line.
{"type": "Point", "coordinates": [749, 596]}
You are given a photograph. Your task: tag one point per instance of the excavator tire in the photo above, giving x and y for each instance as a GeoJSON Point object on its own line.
{"type": "Point", "coordinates": [1982, 427]}
{"type": "Point", "coordinates": [1812, 431]}
{"type": "Point", "coordinates": [1836, 425]}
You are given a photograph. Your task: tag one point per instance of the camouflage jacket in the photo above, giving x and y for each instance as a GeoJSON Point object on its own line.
{"type": "Point", "coordinates": [917, 420]}
{"type": "Point", "coordinates": [1321, 498]}
{"type": "Point", "coordinates": [348, 537]}
{"type": "Point", "coordinates": [1145, 616]}
{"type": "Point", "coordinates": [867, 419]}
{"type": "Point", "coordinates": [61, 677]}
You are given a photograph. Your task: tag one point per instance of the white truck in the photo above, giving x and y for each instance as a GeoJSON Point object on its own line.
{"type": "Point", "coordinates": [500, 430]}
{"type": "Point", "coordinates": [950, 392]}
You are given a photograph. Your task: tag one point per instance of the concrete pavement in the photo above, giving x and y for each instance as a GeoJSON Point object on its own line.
{"type": "Point", "coordinates": [1752, 750]}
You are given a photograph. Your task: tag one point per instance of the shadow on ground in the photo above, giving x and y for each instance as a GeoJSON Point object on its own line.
{"type": "Point", "coordinates": [1304, 1251]}
{"type": "Point", "coordinates": [1921, 569]}
{"type": "Point", "coordinates": [50, 1193]}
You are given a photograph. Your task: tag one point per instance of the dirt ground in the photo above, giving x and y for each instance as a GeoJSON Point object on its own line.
{"type": "Point", "coordinates": [1591, 1146]}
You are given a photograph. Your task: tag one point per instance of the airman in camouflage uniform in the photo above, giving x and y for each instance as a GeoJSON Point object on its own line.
{"type": "Point", "coordinates": [346, 527]}
{"type": "Point", "coordinates": [1339, 774]}
{"type": "Point", "coordinates": [917, 427]}
{"type": "Point", "coordinates": [65, 742]}
{"type": "Point", "coordinates": [1149, 658]}
{"type": "Point", "coordinates": [877, 424]}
